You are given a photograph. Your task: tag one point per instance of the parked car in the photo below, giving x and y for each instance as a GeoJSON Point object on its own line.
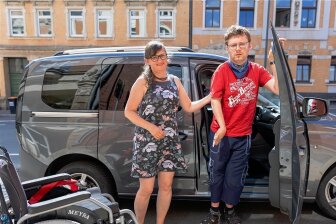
{"type": "Point", "coordinates": [70, 118]}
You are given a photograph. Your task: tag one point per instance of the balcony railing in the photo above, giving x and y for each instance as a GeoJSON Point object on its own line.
{"type": "Point", "coordinates": [14, 2]}
{"type": "Point", "coordinates": [159, 1]}
{"type": "Point", "coordinates": [103, 2]}
{"type": "Point", "coordinates": [75, 2]}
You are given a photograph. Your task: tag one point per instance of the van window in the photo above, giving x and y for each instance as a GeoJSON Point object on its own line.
{"type": "Point", "coordinates": [71, 86]}
{"type": "Point", "coordinates": [175, 70]}
{"type": "Point", "coordinates": [116, 88]}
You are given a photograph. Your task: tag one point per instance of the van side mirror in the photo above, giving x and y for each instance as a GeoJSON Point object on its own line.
{"type": "Point", "coordinates": [314, 107]}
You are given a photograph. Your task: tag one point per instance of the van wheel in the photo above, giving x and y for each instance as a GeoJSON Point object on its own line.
{"type": "Point", "coordinates": [91, 175]}
{"type": "Point", "coordinates": [326, 194]}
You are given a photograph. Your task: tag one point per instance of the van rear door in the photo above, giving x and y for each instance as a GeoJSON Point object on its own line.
{"type": "Point", "coordinates": [201, 73]}
{"type": "Point", "coordinates": [288, 159]}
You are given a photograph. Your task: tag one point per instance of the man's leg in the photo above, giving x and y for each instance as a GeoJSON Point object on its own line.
{"type": "Point", "coordinates": [142, 198]}
{"type": "Point", "coordinates": [219, 155]}
{"type": "Point", "coordinates": [235, 175]}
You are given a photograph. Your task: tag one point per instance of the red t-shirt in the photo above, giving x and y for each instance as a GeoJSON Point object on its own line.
{"type": "Point", "coordinates": [238, 97]}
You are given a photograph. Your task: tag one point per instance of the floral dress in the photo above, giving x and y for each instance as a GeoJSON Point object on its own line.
{"type": "Point", "coordinates": [159, 106]}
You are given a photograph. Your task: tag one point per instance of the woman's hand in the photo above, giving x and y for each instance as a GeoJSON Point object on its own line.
{"type": "Point", "coordinates": [156, 132]}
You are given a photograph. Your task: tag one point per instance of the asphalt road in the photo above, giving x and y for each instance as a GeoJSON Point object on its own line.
{"type": "Point", "coordinates": [182, 212]}
{"type": "Point", "coordinates": [8, 137]}
{"type": "Point", "coordinates": [192, 212]}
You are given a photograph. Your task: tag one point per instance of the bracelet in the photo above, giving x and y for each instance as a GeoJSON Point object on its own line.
{"type": "Point", "coordinates": [271, 62]}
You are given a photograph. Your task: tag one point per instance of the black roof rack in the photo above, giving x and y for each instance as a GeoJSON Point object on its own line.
{"type": "Point", "coordinates": [117, 49]}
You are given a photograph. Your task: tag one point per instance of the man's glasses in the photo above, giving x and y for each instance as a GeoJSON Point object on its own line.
{"type": "Point", "coordinates": [156, 57]}
{"type": "Point", "coordinates": [240, 45]}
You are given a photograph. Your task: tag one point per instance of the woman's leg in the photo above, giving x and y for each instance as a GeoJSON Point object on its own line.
{"type": "Point", "coordinates": [142, 198]}
{"type": "Point", "coordinates": [165, 182]}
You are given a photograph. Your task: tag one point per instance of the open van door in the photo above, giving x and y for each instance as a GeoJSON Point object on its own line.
{"type": "Point", "coordinates": [290, 156]}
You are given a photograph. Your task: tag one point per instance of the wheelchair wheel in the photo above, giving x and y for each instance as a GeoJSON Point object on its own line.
{"type": "Point", "coordinates": [90, 175]}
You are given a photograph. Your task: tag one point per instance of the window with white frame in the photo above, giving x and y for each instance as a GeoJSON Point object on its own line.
{"type": "Point", "coordinates": [44, 22]}
{"type": "Point", "coordinates": [212, 13]}
{"type": "Point", "coordinates": [308, 14]}
{"type": "Point", "coordinates": [246, 13]}
{"type": "Point", "coordinates": [76, 23]}
{"type": "Point", "coordinates": [16, 22]}
{"type": "Point", "coordinates": [104, 22]}
{"type": "Point", "coordinates": [332, 70]}
{"type": "Point", "coordinates": [283, 13]}
{"type": "Point", "coordinates": [303, 68]}
{"type": "Point", "coordinates": [137, 23]}
{"type": "Point", "coordinates": [166, 23]}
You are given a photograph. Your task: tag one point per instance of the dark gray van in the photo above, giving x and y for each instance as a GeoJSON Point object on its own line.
{"type": "Point", "coordinates": [70, 119]}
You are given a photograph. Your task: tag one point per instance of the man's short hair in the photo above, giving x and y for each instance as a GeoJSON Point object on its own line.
{"type": "Point", "coordinates": [236, 30]}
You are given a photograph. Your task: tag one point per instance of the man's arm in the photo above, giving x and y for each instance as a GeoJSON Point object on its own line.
{"type": "Point", "coordinates": [218, 113]}
{"type": "Point", "coordinates": [273, 84]}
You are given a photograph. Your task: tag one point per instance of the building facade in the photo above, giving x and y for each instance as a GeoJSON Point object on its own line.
{"type": "Point", "coordinates": [30, 29]}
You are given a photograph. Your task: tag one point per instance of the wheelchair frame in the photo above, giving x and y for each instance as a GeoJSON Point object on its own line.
{"type": "Point", "coordinates": [23, 211]}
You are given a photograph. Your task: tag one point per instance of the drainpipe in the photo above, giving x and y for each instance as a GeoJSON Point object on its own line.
{"type": "Point", "coordinates": [267, 28]}
{"type": "Point", "coordinates": [190, 23]}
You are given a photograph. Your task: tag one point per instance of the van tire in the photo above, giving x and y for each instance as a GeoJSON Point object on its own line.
{"type": "Point", "coordinates": [325, 190]}
{"type": "Point", "coordinates": [94, 176]}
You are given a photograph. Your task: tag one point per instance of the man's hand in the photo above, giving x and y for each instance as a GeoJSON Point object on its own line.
{"type": "Point", "coordinates": [270, 53]}
{"type": "Point", "coordinates": [218, 136]}
{"type": "Point", "coordinates": [282, 41]}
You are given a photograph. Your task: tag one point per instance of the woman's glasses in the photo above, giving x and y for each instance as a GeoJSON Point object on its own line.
{"type": "Point", "coordinates": [157, 57]}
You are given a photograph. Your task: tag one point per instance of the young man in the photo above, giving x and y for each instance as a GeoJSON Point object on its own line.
{"type": "Point", "coordinates": [234, 91]}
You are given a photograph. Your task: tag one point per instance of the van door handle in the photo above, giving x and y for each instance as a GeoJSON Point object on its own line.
{"type": "Point", "coordinates": [64, 114]}
{"type": "Point", "coordinates": [183, 136]}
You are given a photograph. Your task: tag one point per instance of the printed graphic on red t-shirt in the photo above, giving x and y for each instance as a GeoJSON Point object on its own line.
{"type": "Point", "coordinates": [243, 91]}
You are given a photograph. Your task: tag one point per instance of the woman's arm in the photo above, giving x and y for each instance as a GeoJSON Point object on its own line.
{"type": "Point", "coordinates": [137, 93]}
{"type": "Point", "coordinates": [185, 101]}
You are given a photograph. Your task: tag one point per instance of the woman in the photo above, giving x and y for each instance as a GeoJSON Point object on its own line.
{"type": "Point", "coordinates": [152, 107]}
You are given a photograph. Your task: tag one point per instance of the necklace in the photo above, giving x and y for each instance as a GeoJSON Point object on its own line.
{"type": "Point", "coordinates": [161, 79]}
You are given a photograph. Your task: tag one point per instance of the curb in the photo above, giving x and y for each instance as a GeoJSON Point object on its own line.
{"type": "Point", "coordinates": [5, 112]}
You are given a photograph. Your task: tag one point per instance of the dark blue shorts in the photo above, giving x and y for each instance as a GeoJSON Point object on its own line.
{"type": "Point", "coordinates": [228, 166]}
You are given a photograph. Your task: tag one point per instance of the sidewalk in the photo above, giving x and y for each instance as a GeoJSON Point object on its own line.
{"type": "Point", "coordinates": [4, 112]}
{"type": "Point", "coordinates": [6, 115]}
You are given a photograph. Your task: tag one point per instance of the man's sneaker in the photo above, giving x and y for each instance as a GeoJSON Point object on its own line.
{"type": "Point", "coordinates": [231, 218]}
{"type": "Point", "coordinates": [212, 218]}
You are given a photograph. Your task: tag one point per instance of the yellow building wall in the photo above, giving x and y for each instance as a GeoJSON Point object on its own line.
{"type": "Point", "coordinates": [60, 37]}
{"type": "Point", "coordinates": [212, 40]}
{"type": "Point", "coordinates": [31, 47]}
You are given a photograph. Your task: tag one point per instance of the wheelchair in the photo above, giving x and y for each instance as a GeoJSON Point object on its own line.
{"type": "Point", "coordinates": [88, 206]}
